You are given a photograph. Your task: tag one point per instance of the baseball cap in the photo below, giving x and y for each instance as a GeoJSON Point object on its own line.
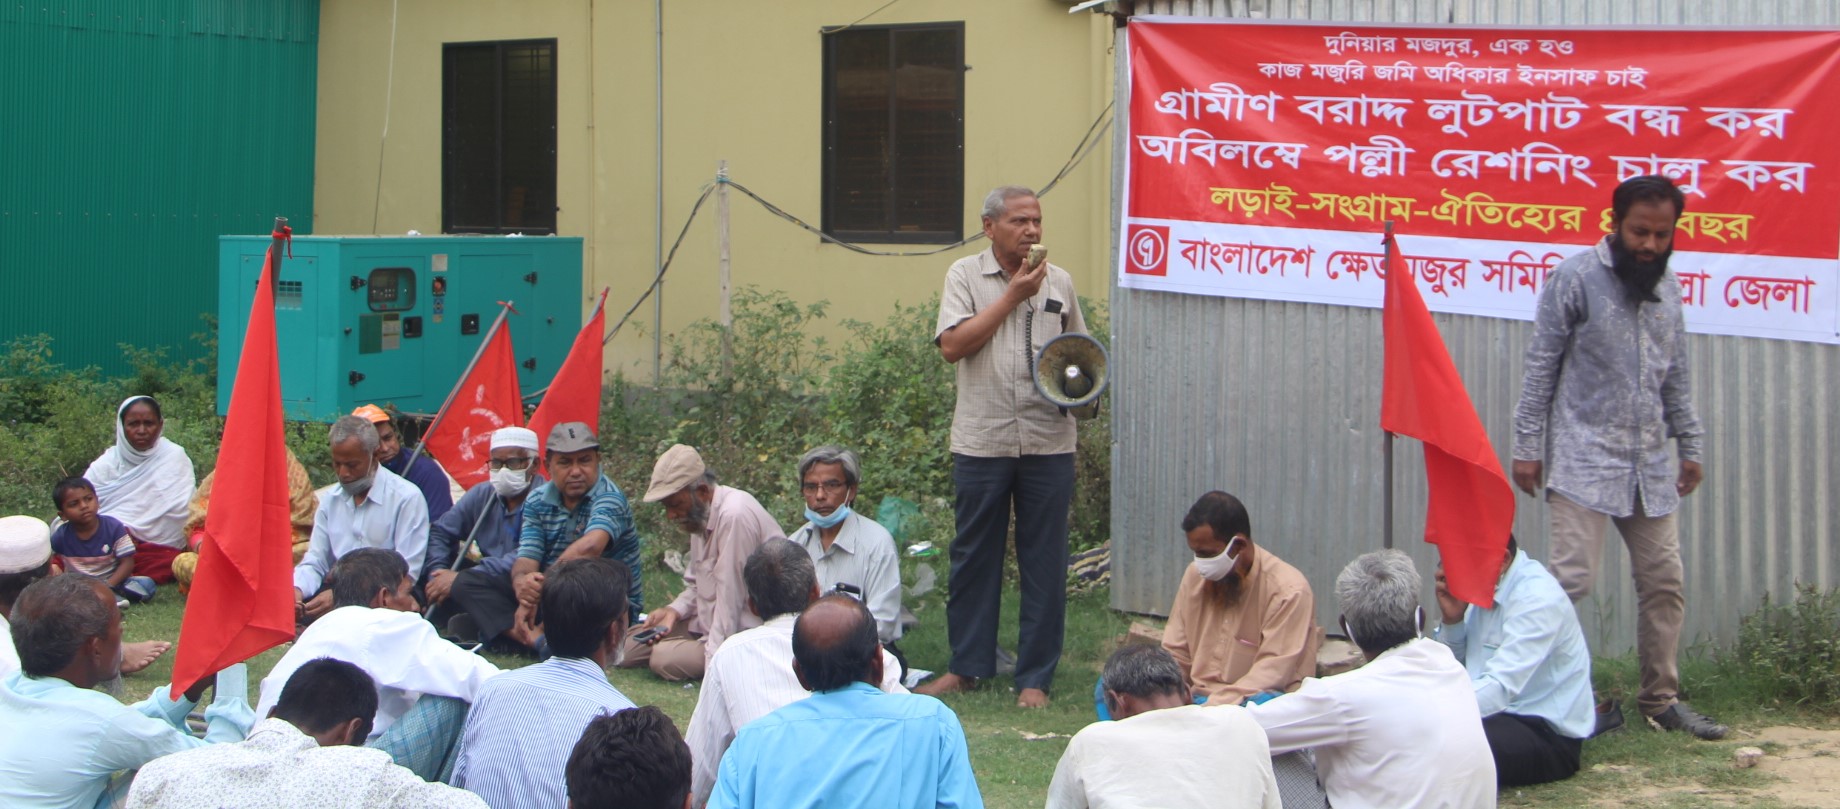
{"type": "Point", "coordinates": [571, 436]}
{"type": "Point", "coordinates": [677, 468]}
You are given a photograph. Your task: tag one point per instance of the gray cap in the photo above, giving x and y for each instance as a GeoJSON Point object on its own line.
{"type": "Point", "coordinates": [571, 436]}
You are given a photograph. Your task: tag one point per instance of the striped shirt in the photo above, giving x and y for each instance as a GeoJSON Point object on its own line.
{"type": "Point", "coordinates": [549, 529]}
{"type": "Point", "coordinates": [524, 725]}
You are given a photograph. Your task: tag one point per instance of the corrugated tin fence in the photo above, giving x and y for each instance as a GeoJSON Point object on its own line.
{"type": "Point", "coordinates": [134, 133]}
{"type": "Point", "coordinates": [1279, 402]}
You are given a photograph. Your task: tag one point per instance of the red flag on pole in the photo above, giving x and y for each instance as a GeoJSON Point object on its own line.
{"type": "Point", "coordinates": [1471, 507]}
{"type": "Point", "coordinates": [486, 400]}
{"type": "Point", "coordinates": [575, 393]}
{"type": "Point", "coordinates": [242, 595]}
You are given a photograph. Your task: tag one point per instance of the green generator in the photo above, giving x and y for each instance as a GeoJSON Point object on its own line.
{"type": "Point", "coordinates": [395, 320]}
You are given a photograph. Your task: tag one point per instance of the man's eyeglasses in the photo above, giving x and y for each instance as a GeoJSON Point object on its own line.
{"type": "Point", "coordinates": [829, 486]}
{"type": "Point", "coordinates": [513, 464]}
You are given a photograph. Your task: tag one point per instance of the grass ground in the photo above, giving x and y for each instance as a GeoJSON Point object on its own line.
{"type": "Point", "coordinates": [1635, 766]}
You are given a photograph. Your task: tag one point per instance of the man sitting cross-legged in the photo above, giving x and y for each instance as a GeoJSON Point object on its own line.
{"type": "Point", "coordinates": [65, 745]}
{"type": "Point", "coordinates": [849, 743]}
{"type": "Point", "coordinates": [308, 754]}
{"type": "Point", "coordinates": [1163, 745]}
{"type": "Point", "coordinates": [424, 681]}
{"type": "Point", "coordinates": [525, 721]}
{"type": "Point", "coordinates": [630, 760]}
{"type": "Point", "coordinates": [1402, 730]}
{"type": "Point", "coordinates": [751, 675]}
{"type": "Point", "coordinates": [1530, 667]}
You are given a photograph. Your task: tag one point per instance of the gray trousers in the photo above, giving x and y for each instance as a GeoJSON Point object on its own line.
{"type": "Point", "coordinates": [1040, 488]}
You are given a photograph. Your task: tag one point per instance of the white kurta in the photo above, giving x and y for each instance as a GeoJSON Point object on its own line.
{"type": "Point", "coordinates": [400, 650]}
{"type": "Point", "coordinates": [1402, 730]}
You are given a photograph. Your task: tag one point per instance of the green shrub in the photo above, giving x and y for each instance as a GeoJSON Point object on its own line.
{"type": "Point", "coordinates": [752, 400]}
{"type": "Point", "coordinates": [1791, 652]}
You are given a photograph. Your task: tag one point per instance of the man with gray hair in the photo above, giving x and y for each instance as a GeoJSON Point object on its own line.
{"type": "Point", "coordinates": [371, 507]}
{"type": "Point", "coordinates": [1402, 730]}
{"type": "Point", "coordinates": [1011, 448]}
{"type": "Point", "coordinates": [847, 547]}
{"type": "Point", "coordinates": [1163, 744]}
{"type": "Point", "coordinates": [751, 675]}
{"type": "Point", "coordinates": [725, 524]}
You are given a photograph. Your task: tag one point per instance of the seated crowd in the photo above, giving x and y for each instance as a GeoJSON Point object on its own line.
{"type": "Point", "coordinates": [803, 700]}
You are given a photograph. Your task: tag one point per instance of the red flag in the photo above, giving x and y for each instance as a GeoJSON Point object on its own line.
{"type": "Point", "coordinates": [486, 400]}
{"type": "Point", "coordinates": [242, 595]}
{"type": "Point", "coordinates": [1471, 507]}
{"type": "Point", "coordinates": [575, 393]}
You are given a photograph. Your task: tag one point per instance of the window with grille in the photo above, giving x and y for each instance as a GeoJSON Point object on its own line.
{"type": "Point", "coordinates": [498, 137]}
{"type": "Point", "coordinates": [894, 133]}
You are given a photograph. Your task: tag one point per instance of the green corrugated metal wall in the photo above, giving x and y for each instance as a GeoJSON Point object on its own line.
{"type": "Point", "coordinates": [132, 134]}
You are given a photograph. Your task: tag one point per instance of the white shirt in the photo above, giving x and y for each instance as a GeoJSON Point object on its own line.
{"type": "Point", "coordinates": [1402, 730]}
{"type": "Point", "coordinates": [278, 766]}
{"type": "Point", "coordinates": [862, 554]}
{"type": "Point", "coordinates": [9, 656]}
{"type": "Point", "coordinates": [748, 678]}
{"type": "Point", "coordinates": [400, 650]}
{"type": "Point", "coordinates": [1194, 755]}
{"type": "Point", "coordinates": [393, 516]}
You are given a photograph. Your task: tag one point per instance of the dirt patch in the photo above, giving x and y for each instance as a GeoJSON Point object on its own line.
{"type": "Point", "coordinates": [1808, 762]}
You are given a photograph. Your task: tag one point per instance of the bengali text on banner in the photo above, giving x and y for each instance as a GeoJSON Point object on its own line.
{"type": "Point", "coordinates": [1264, 160]}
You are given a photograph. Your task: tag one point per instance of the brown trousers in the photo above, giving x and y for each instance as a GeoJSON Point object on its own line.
{"type": "Point", "coordinates": [676, 656]}
{"type": "Point", "coordinates": [1654, 563]}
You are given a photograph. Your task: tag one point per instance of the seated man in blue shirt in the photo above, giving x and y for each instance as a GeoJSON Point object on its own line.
{"type": "Point", "coordinates": [578, 514]}
{"type": "Point", "coordinates": [63, 744]}
{"type": "Point", "coordinates": [1527, 659]}
{"type": "Point", "coordinates": [491, 515]}
{"type": "Point", "coordinates": [850, 743]}
{"type": "Point", "coordinates": [525, 722]}
{"type": "Point", "coordinates": [425, 472]}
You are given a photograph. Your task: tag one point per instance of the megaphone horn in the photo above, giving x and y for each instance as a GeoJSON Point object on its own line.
{"type": "Point", "coordinates": [1071, 373]}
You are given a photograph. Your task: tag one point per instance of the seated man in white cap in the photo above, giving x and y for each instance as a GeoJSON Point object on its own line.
{"type": "Point", "coordinates": [725, 525]}
{"type": "Point", "coordinates": [25, 557]}
{"type": "Point", "coordinates": [578, 514]}
{"type": "Point", "coordinates": [466, 588]}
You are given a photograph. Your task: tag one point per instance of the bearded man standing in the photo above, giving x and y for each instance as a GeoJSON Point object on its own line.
{"type": "Point", "coordinates": [1606, 386]}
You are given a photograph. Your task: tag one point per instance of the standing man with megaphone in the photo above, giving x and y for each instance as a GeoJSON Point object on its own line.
{"type": "Point", "coordinates": [1010, 447]}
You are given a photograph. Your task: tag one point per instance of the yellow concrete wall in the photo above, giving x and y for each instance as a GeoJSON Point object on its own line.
{"type": "Point", "coordinates": [742, 82]}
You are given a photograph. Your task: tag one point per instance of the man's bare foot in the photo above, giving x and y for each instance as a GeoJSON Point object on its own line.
{"type": "Point", "coordinates": [1032, 698]}
{"type": "Point", "coordinates": [137, 656]}
{"type": "Point", "coordinates": [947, 683]}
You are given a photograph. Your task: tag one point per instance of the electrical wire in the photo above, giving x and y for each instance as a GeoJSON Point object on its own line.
{"type": "Point", "coordinates": [836, 29]}
{"type": "Point", "coordinates": [1088, 142]}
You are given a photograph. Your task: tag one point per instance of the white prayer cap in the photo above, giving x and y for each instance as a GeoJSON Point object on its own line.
{"type": "Point", "coordinates": [25, 543]}
{"type": "Point", "coordinates": [515, 438]}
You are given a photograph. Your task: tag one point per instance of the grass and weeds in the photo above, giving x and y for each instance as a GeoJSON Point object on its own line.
{"type": "Point", "coordinates": [1634, 766]}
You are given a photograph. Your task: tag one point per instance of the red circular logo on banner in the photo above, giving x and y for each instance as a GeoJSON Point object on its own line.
{"type": "Point", "coordinates": [1148, 250]}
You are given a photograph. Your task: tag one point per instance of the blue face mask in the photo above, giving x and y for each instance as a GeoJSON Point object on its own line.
{"type": "Point", "coordinates": [835, 519]}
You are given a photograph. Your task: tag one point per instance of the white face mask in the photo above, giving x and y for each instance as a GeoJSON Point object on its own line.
{"type": "Point", "coordinates": [510, 482]}
{"type": "Point", "coordinates": [1216, 567]}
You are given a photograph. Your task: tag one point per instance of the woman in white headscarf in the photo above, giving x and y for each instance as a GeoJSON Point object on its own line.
{"type": "Point", "coordinates": [146, 482]}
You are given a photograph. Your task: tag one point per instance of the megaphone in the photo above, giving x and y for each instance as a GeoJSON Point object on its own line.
{"type": "Point", "coordinates": [1070, 372]}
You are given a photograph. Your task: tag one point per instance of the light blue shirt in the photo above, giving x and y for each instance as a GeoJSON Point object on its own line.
{"type": "Point", "coordinates": [393, 517]}
{"type": "Point", "coordinates": [853, 746]}
{"type": "Point", "coordinates": [1526, 655]}
{"type": "Point", "coordinates": [60, 744]}
{"type": "Point", "coordinates": [523, 726]}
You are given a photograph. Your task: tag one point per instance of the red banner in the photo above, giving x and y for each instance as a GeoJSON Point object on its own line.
{"type": "Point", "coordinates": [486, 400]}
{"type": "Point", "coordinates": [1264, 159]}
